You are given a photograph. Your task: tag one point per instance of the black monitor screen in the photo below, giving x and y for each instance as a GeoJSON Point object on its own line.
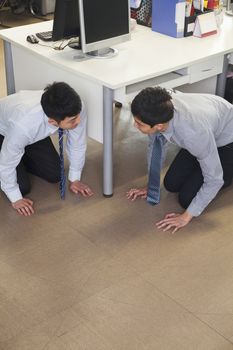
{"type": "Point", "coordinates": [113, 23]}
{"type": "Point", "coordinates": [66, 19]}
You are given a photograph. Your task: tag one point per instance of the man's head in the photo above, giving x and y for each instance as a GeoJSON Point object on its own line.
{"type": "Point", "coordinates": [62, 105]}
{"type": "Point", "coordinates": [152, 109]}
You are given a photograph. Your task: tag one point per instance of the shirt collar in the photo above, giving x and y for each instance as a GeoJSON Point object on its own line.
{"type": "Point", "coordinates": [169, 131]}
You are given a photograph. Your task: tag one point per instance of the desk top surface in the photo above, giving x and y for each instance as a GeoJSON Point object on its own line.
{"type": "Point", "coordinates": [146, 55]}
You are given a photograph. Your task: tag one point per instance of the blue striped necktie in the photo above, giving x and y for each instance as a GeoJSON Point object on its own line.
{"type": "Point", "coordinates": [153, 190]}
{"type": "Point", "coordinates": [62, 167]}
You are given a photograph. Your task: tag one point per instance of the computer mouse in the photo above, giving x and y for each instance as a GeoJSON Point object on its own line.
{"type": "Point", "coordinates": [32, 39]}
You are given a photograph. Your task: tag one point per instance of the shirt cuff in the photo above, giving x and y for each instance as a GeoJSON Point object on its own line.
{"type": "Point", "coordinates": [74, 175]}
{"type": "Point", "coordinates": [194, 211]}
{"type": "Point", "coordinates": [14, 195]}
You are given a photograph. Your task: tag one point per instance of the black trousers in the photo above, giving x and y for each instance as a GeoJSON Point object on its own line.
{"type": "Point", "coordinates": [185, 177]}
{"type": "Point", "coordinates": [40, 159]}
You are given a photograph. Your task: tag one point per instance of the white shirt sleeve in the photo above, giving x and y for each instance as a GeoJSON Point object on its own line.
{"type": "Point", "coordinates": [76, 147]}
{"type": "Point", "coordinates": [11, 153]}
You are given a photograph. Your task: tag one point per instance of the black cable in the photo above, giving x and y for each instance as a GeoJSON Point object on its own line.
{"type": "Point", "coordinates": [59, 47]}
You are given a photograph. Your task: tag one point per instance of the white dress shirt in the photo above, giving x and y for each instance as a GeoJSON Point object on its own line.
{"type": "Point", "coordinates": [201, 124]}
{"type": "Point", "coordinates": [23, 122]}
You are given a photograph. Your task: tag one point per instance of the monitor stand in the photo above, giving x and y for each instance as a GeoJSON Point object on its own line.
{"type": "Point", "coordinates": [107, 52]}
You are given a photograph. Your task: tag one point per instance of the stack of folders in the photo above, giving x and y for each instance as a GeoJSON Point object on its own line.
{"type": "Point", "coordinates": [185, 17]}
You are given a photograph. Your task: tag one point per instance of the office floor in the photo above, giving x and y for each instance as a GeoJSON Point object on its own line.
{"type": "Point", "coordinates": [97, 275]}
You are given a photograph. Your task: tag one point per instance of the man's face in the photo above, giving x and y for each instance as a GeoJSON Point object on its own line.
{"type": "Point", "coordinates": [70, 122]}
{"type": "Point", "coordinates": [144, 128]}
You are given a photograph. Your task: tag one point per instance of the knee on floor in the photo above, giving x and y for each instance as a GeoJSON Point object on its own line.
{"type": "Point", "coordinates": [53, 178]}
{"type": "Point", "coordinates": [169, 184]}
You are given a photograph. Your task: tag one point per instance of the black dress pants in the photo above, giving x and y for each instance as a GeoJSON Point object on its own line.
{"type": "Point", "coordinates": [40, 159]}
{"type": "Point", "coordinates": [185, 177]}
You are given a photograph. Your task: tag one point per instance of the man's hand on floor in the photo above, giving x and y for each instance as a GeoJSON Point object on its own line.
{"type": "Point", "coordinates": [175, 221]}
{"type": "Point", "coordinates": [79, 187]}
{"type": "Point", "coordinates": [135, 193]}
{"type": "Point", "coordinates": [24, 206]}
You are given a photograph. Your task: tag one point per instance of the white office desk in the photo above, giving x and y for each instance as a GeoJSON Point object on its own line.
{"type": "Point", "coordinates": [148, 59]}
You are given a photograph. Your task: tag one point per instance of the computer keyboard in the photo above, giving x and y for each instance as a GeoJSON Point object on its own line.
{"type": "Point", "coordinates": [45, 36]}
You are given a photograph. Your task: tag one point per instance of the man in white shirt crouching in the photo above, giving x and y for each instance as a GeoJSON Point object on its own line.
{"type": "Point", "coordinates": [27, 119]}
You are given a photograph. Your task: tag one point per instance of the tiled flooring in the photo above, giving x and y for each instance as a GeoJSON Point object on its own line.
{"type": "Point", "coordinates": [97, 275]}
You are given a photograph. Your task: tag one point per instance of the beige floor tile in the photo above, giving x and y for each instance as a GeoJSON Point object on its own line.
{"type": "Point", "coordinates": [129, 315]}
{"type": "Point", "coordinates": [64, 331]}
{"type": "Point", "coordinates": [37, 337]}
{"type": "Point", "coordinates": [134, 315]}
{"type": "Point", "coordinates": [202, 286]}
{"type": "Point", "coordinates": [223, 323]}
{"type": "Point", "coordinates": [49, 251]}
{"type": "Point", "coordinates": [26, 301]}
{"type": "Point", "coordinates": [89, 337]}
{"type": "Point", "coordinates": [14, 320]}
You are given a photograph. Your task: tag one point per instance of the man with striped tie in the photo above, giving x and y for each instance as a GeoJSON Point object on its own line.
{"type": "Point", "coordinates": [202, 126]}
{"type": "Point", "coordinates": [27, 119]}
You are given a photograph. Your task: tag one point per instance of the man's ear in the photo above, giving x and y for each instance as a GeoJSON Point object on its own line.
{"type": "Point", "coordinates": [160, 127]}
{"type": "Point", "coordinates": [53, 122]}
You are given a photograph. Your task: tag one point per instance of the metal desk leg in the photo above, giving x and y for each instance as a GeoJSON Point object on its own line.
{"type": "Point", "coordinates": [107, 142]}
{"type": "Point", "coordinates": [221, 80]}
{"type": "Point", "coordinates": [10, 80]}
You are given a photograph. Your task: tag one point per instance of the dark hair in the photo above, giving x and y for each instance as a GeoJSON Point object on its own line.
{"type": "Point", "coordinates": [153, 106]}
{"type": "Point", "coordinates": [59, 101]}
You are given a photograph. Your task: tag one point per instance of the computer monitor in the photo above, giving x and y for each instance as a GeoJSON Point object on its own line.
{"type": "Point", "coordinates": [97, 23]}
{"type": "Point", "coordinates": [66, 20]}
{"type": "Point", "coordinates": [103, 23]}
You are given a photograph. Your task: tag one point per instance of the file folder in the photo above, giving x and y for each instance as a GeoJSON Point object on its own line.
{"type": "Point", "coordinates": [189, 25]}
{"type": "Point", "coordinates": [168, 17]}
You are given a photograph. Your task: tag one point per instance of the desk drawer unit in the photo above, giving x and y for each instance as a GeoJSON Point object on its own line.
{"type": "Point", "coordinates": [188, 75]}
{"type": "Point", "coordinates": [168, 81]}
{"type": "Point", "coordinates": [205, 69]}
